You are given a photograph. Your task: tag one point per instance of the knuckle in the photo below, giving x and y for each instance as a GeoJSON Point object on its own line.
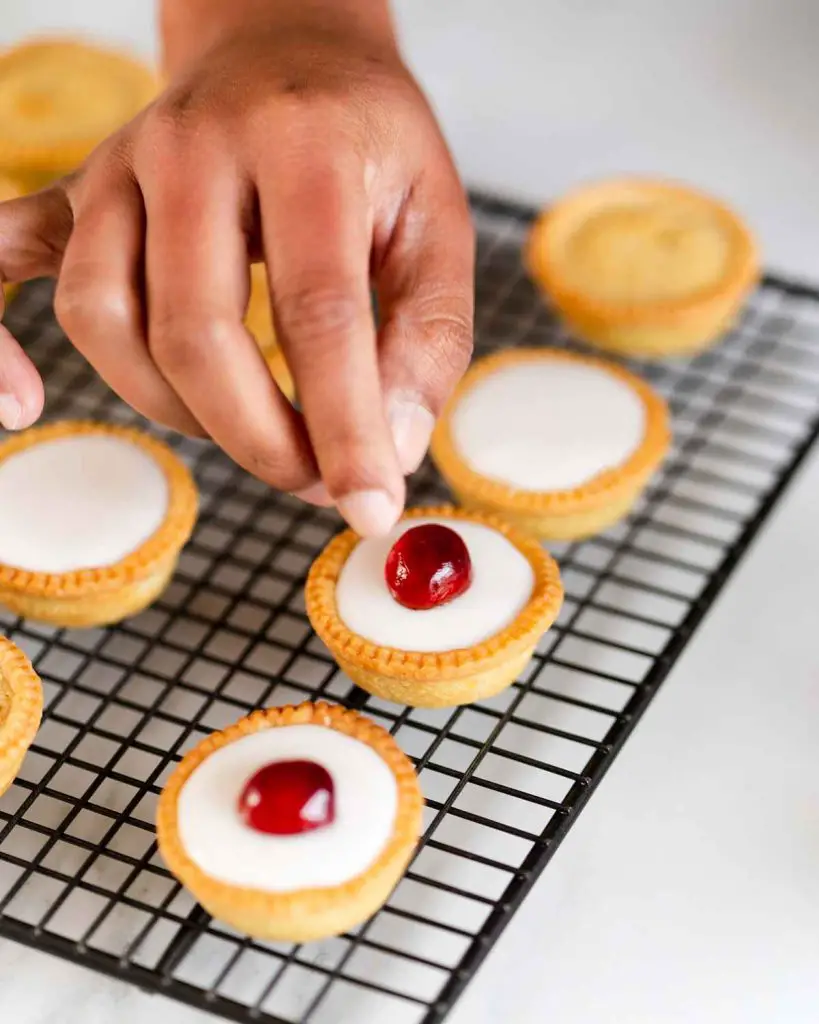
{"type": "Point", "coordinates": [83, 305]}
{"type": "Point", "coordinates": [178, 108]}
{"type": "Point", "coordinates": [349, 464]}
{"type": "Point", "coordinates": [174, 344]}
{"type": "Point", "coordinates": [445, 320]}
{"type": "Point", "coordinates": [269, 461]}
{"type": "Point", "coordinates": [318, 315]}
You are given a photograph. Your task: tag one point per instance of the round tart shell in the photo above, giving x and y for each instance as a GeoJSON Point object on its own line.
{"type": "Point", "coordinates": [555, 515]}
{"type": "Point", "coordinates": [259, 321]}
{"type": "Point", "coordinates": [435, 679]}
{"type": "Point", "coordinates": [305, 914]}
{"type": "Point", "coordinates": [21, 708]}
{"type": "Point", "coordinates": [9, 189]}
{"type": "Point", "coordinates": [100, 596]}
{"type": "Point", "coordinates": [38, 161]}
{"type": "Point", "coordinates": [676, 326]}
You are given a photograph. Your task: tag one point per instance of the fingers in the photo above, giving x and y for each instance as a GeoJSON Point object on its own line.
{"type": "Point", "coordinates": [98, 301]}
{"type": "Point", "coordinates": [197, 289]}
{"type": "Point", "coordinates": [426, 297]}
{"type": "Point", "coordinates": [317, 238]}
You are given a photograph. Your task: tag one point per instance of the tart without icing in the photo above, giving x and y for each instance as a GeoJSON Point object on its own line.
{"type": "Point", "coordinates": [59, 98]}
{"type": "Point", "coordinates": [92, 520]}
{"type": "Point", "coordinates": [470, 647]}
{"type": "Point", "coordinates": [643, 268]}
{"type": "Point", "coordinates": [9, 190]}
{"type": "Point", "coordinates": [21, 706]}
{"type": "Point", "coordinates": [560, 444]}
{"type": "Point", "coordinates": [259, 321]}
{"type": "Point", "coordinates": [285, 883]}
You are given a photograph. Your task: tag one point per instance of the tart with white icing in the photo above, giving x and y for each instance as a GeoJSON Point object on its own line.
{"type": "Point", "coordinates": [294, 824]}
{"type": "Point", "coordinates": [21, 706]}
{"type": "Point", "coordinates": [446, 609]}
{"type": "Point", "coordinates": [644, 268]}
{"type": "Point", "coordinates": [92, 519]}
{"type": "Point", "coordinates": [561, 444]}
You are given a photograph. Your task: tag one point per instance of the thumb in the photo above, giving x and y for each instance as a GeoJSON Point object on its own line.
{"type": "Point", "coordinates": [33, 233]}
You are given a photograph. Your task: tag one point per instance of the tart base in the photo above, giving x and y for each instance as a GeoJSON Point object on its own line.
{"type": "Point", "coordinates": [568, 527]}
{"type": "Point", "coordinates": [646, 341]}
{"type": "Point", "coordinates": [280, 371]}
{"type": "Point", "coordinates": [306, 914]}
{"type": "Point", "coordinates": [21, 708]}
{"type": "Point", "coordinates": [95, 609]}
{"type": "Point", "coordinates": [440, 693]}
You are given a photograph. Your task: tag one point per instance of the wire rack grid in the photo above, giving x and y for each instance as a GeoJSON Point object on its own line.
{"type": "Point", "coordinates": [504, 780]}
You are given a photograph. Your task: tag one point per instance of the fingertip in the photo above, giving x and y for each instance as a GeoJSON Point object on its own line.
{"type": "Point", "coordinates": [371, 513]}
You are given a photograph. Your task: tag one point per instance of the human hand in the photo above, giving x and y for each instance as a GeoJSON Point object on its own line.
{"type": "Point", "coordinates": [299, 137]}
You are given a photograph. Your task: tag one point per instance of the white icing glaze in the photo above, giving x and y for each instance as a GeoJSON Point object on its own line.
{"type": "Point", "coordinates": [502, 582]}
{"type": "Point", "coordinates": [216, 838]}
{"type": "Point", "coordinates": [548, 424]}
{"type": "Point", "coordinates": [78, 503]}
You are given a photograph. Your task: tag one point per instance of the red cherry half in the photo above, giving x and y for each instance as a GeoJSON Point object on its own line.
{"type": "Point", "coordinates": [286, 798]}
{"type": "Point", "coordinates": [427, 566]}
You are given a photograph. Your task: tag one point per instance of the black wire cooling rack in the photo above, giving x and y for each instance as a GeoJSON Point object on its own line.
{"type": "Point", "coordinates": [504, 780]}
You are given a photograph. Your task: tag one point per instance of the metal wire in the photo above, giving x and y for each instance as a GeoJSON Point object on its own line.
{"type": "Point", "coordinates": [79, 872]}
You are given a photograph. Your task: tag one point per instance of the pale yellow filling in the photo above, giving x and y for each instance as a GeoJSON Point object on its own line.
{"type": "Point", "coordinates": [647, 250]}
{"type": "Point", "coordinates": [58, 94]}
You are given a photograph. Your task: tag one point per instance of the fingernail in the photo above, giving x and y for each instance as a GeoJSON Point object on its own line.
{"type": "Point", "coordinates": [316, 494]}
{"type": "Point", "coordinates": [411, 425]}
{"type": "Point", "coordinates": [11, 412]}
{"type": "Point", "coordinates": [370, 513]}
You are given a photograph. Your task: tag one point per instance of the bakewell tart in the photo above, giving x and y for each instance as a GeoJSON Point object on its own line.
{"type": "Point", "coordinates": [444, 610]}
{"type": "Point", "coordinates": [259, 321]}
{"type": "Point", "coordinates": [644, 268]}
{"type": "Point", "coordinates": [560, 444]}
{"type": "Point", "coordinates": [294, 824]}
{"type": "Point", "coordinates": [59, 98]}
{"type": "Point", "coordinates": [21, 706]}
{"type": "Point", "coordinates": [92, 520]}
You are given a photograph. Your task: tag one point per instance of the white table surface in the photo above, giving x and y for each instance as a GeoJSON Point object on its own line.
{"type": "Point", "coordinates": [688, 891]}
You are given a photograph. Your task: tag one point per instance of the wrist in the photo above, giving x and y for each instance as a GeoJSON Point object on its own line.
{"type": "Point", "coordinates": [190, 28]}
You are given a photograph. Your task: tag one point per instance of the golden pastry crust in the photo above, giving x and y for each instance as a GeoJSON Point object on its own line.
{"type": "Point", "coordinates": [435, 679]}
{"type": "Point", "coordinates": [21, 708]}
{"type": "Point", "coordinates": [9, 189]}
{"type": "Point", "coordinates": [59, 98]}
{"type": "Point", "coordinates": [555, 515]}
{"type": "Point", "coordinates": [102, 595]}
{"type": "Point", "coordinates": [259, 316]}
{"type": "Point", "coordinates": [305, 914]}
{"type": "Point", "coordinates": [645, 268]}
{"type": "Point", "coordinates": [259, 321]}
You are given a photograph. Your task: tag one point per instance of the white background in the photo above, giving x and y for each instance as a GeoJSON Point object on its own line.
{"type": "Point", "coordinates": [688, 893]}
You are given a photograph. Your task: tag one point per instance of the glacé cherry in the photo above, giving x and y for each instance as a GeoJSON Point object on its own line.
{"type": "Point", "coordinates": [427, 566]}
{"type": "Point", "coordinates": [285, 798]}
